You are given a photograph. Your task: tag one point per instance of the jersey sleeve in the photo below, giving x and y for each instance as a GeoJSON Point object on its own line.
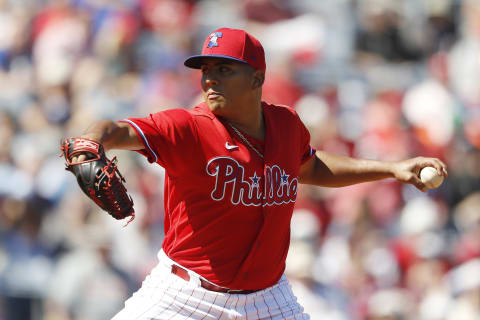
{"type": "Point", "coordinates": [307, 152]}
{"type": "Point", "coordinates": [168, 138]}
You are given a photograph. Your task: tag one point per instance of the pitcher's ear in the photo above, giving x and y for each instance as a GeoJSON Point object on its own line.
{"type": "Point", "coordinates": [258, 79]}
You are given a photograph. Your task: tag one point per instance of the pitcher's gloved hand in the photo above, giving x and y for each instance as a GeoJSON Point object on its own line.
{"type": "Point", "coordinates": [98, 177]}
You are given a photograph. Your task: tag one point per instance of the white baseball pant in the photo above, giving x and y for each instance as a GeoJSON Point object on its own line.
{"type": "Point", "coordinates": [164, 295]}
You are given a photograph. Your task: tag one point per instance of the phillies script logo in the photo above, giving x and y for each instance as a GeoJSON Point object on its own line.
{"type": "Point", "coordinates": [229, 174]}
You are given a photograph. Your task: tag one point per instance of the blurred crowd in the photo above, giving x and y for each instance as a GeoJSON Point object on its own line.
{"type": "Point", "coordinates": [377, 79]}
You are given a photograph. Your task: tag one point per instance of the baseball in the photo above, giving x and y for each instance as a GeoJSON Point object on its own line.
{"type": "Point", "coordinates": [430, 177]}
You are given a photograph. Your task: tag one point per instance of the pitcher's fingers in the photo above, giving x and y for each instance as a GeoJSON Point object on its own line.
{"type": "Point", "coordinates": [79, 158]}
{"type": "Point", "coordinates": [415, 180]}
{"type": "Point", "coordinates": [441, 167]}
{"type": "Point", "coordinates": [444, 168]}
{"type": "Point", "coordinates": [438, 165]}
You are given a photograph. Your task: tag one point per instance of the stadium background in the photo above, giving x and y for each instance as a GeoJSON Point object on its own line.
{"type": "Point", "coordinates": [380, 79]}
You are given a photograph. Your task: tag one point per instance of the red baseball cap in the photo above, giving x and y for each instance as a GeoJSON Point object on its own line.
{"type": "Point", "coordinates": [233, 44]}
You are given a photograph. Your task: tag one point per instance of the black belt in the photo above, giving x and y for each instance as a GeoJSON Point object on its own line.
{"type": "Point", "coordinates": [182, 273]}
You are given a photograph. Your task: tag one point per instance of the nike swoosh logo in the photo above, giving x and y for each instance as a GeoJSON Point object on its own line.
{"type": "Point", "coordinates": [230, 146]}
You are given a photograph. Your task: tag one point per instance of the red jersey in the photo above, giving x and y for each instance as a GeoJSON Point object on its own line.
{"type": "Point", "coordinates": [227, 210]}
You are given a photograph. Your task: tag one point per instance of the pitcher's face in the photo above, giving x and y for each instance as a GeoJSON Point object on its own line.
{"type": "Point", "coordinates": [226, 84]}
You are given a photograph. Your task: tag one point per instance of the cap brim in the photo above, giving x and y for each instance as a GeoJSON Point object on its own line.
{"type": "Point", "coordinates": [195, 62]}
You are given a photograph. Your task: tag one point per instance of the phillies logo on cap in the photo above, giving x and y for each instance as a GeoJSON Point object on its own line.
{"type": "Point", "coordinates": [213, 39]}
{"type": "Point", "coordinates": [233, 44]}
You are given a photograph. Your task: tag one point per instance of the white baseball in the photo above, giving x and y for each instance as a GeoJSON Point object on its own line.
{"type": "Point", "coordinates": [430, 177]}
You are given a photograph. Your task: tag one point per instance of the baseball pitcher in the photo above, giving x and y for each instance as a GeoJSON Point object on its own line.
{"type": "Point", "coordinates": [233, 164]}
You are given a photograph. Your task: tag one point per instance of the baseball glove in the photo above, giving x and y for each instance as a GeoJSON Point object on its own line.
{"type": "Point", "coordinates": [98, 177]}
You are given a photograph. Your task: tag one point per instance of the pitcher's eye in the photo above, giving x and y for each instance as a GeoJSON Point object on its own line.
{"type": "Point", "coordinates": [225, 69]}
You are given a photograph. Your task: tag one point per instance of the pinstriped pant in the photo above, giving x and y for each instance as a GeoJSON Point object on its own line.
{"type": "Point", "coordinates": [164, 295]}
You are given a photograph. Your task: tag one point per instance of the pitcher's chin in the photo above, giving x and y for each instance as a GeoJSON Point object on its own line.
{"type": "Point", "coordinates": [217, 108]}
